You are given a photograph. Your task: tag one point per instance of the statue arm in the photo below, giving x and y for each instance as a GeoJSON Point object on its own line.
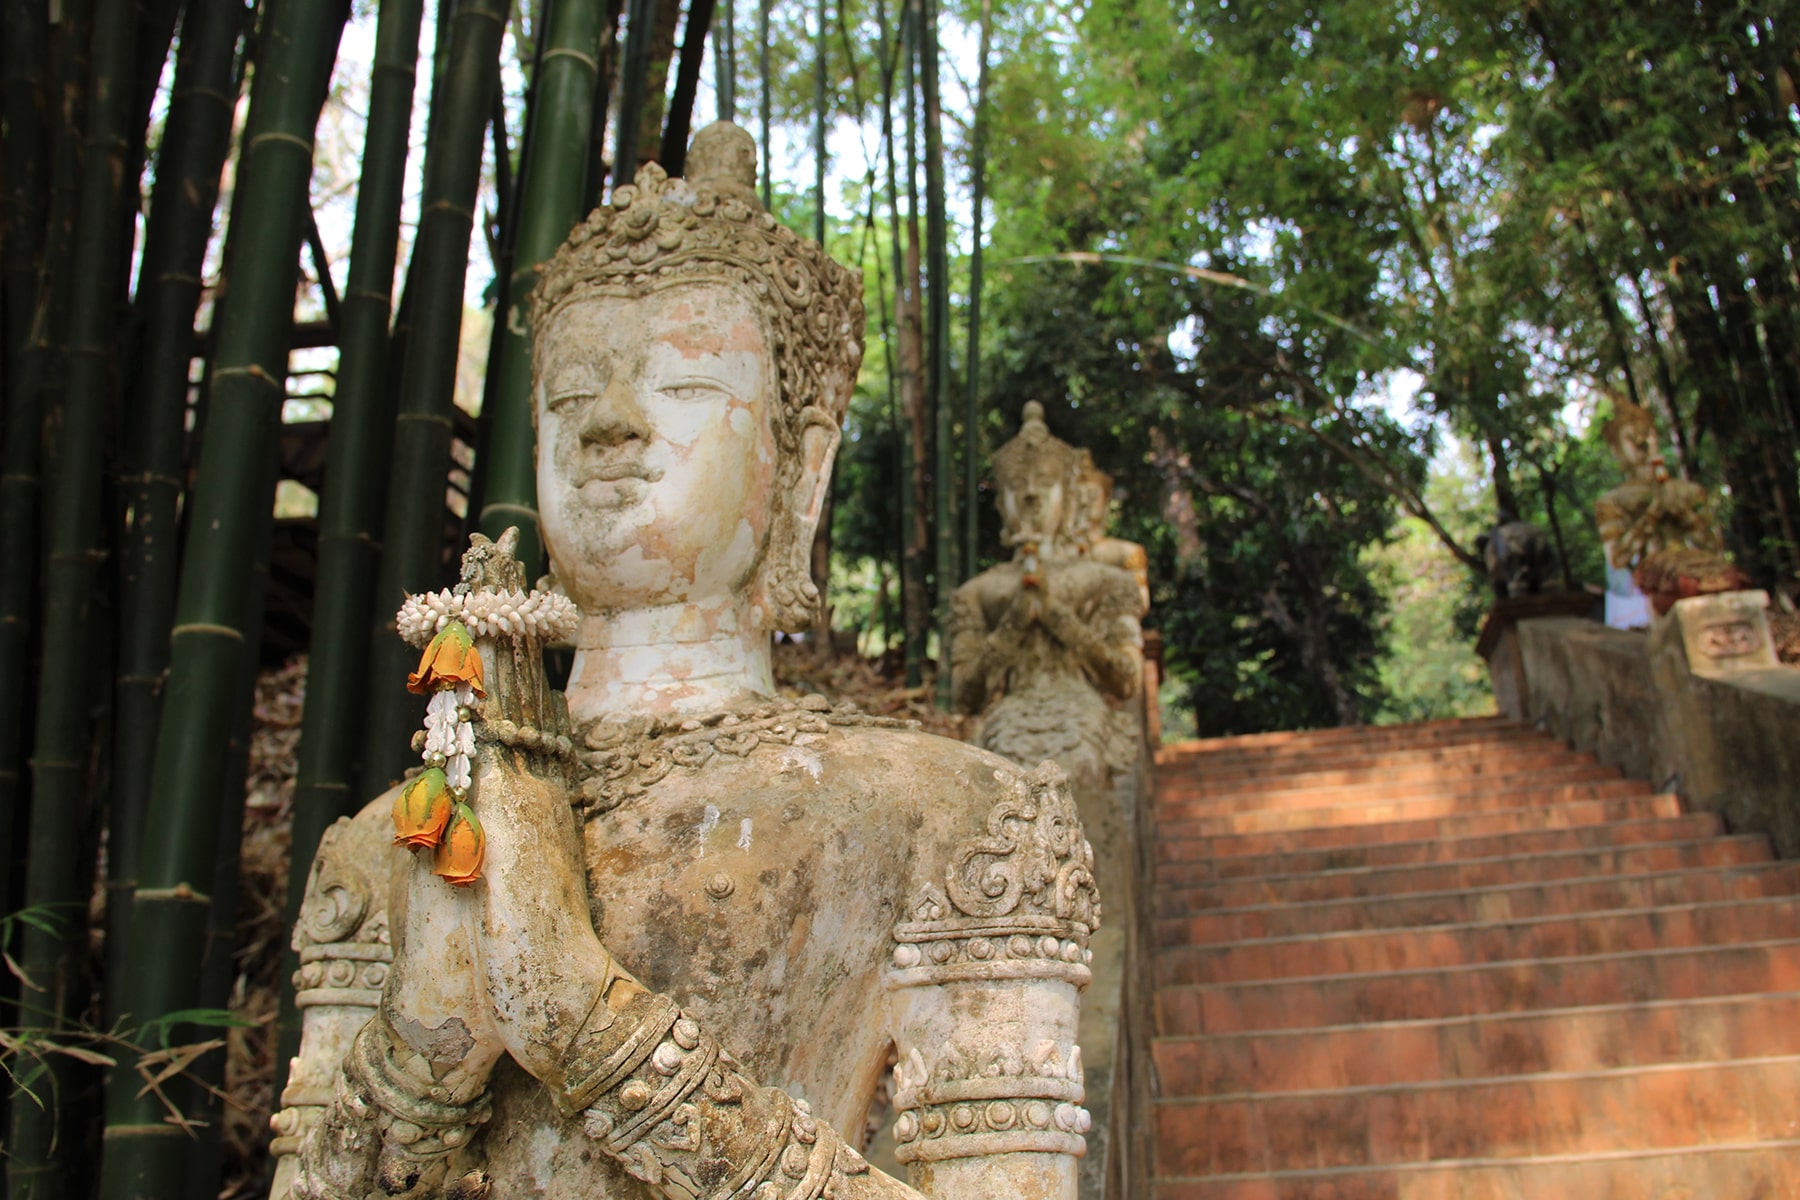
{"type": "Point", "coordinates": [978, 657]}
{"type": "Point", "coordinates": [1108, 642]}
{"type": "Point", "coordinates": [512, 965]}
{"type": "Point", "coordinates": [985, 999]}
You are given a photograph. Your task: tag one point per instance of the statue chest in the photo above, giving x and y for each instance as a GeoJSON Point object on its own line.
{"type": "Point", "coordinates": [766, 900]}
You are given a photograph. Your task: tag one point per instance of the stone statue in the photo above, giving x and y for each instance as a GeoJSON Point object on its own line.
{"type": "Point", "coordinates": [1518, 556]}
{"type": "Point", "coordinates": [1090, 512]}
{"type": "Point", "coordinates": [1651, 510]}
{"type": "Point", "coordinates": [1043, 641]}
{"type": "Point", "coordinates": [668, 861]}
{"type": "Point", "coordinates": [1661, 528]}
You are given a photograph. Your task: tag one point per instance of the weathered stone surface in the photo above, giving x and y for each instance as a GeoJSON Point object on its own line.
{"type": "Point", "coordinates": [676, 863]}
{"type": "Point", "coordinates": [1725, 632]}
{"type": "Point", "coordinates": [1728, 743]}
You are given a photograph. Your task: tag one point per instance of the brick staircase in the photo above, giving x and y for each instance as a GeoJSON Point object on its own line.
{"type": "Point", "coordinates": [1457, 961]}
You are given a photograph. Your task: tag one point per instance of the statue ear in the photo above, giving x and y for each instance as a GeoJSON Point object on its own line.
{"type": "Point", "coordinates": [818, 451]}
{"type": "Point", "coordinates": [792, 599]}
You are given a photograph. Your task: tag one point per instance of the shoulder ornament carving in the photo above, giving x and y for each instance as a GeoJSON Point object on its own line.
{"type": "Point", "coordinates": [621, 759]}
{"type": "Point", "coordinates": [344, 947]}
{"type": "Point", "coordinates": [1018, 901]}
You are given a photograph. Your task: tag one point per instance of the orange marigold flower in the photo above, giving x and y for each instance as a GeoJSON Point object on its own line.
{"type": "Point", "coordinates": [450, 659]}
{"type": "Point", "coordinates": [459, 855]}
{"type": "Point", "coordinates": [421, 811]}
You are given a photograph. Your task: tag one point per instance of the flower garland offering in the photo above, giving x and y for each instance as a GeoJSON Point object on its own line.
{"type": "Point", "coordinates": [432, 812]}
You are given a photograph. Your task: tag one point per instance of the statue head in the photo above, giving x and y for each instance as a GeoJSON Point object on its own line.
{"type": "Point", "coordinates": [691, 362]}
{"type": "Point", "coordinates": [1036, 473]}
{"type": "Point", "coordinates": [1631, 433]}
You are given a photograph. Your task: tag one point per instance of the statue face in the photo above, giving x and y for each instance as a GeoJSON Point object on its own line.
{"type": "Point", "coordinates": [656, 460]}
{"type": "Point", "coordinates": [1034, 509]}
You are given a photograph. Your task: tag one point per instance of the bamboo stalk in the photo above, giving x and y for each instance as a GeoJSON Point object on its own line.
{"type": "Point", "coordinates": [23, 101]}
{"type": "Point", "coordinates": [609, 66]}
{"type": "Point", "coordinates": [413, 538]}
{"type": "Point", "coordinates": [352, 496]}
{"type": "Point", "coordinates": [217, 968]}
{"type": "Point", "coordinates": [503, 242]}
{"type": "Point", "coordinates": [552, 198]}
{"type": "Point", "coordinates": [938, 377]}
{"type": "Point", "coordinates": [640, 26]}
{"type": "Point", "coordinates": [726, 64]}
{"type": "Point", "coordinates": [196, 139]}
{"type": "Point", "coordinates": [911, 371]}
{"type": "Point", "coordinates": [764, 100]}
{"type": "Point", "coordinates": [58, 875]}
{"type": "Point", "coordinates": [229, 514]}
{"type": "Point", "coordinates": [819, 105]}
{"type": "Point", "coordinates": [24, 104]}
{"type": "Point", "coordinates": [680, 120]}
{"type": "Point", "coordinates": [890, 47]}
{"type": "Point", "coordinates": [971, 391]}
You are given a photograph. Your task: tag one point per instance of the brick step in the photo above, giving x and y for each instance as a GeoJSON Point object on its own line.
{"type": "Point", "coordinates": [1401, 767]}
{"type": "Point", "coordinates": [1765, 1170]}
{"type": "Point", "coordinates": [1662, 1107]}
{"type": "Point", "coordinates": [1172, 880]}
{"type": "Point", "coordinates": [1423, 733]}
{"type": "Point", "coordinates": [1326, 758]}
{"type": "Point", "coordinates": [1178, 852]}
{"type": "Point", "coordinates": [1186, 840]}
{"type": "Point", "coordinates": [1366, 951]}
{"type": "Point", "coordinates": [1384, 812]}
{"type": "Point", "coordinates": [1481, 1047]}
{"type": "Point", "coordinates": [1518, 986]}
{"type": "Point", "coordinates": [1519, 902]}
{"type": "Point", "coordinates": [1483, 790]}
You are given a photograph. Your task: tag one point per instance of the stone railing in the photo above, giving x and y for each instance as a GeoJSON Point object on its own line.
{"type": "Point", "coordinates": [1698, 705]}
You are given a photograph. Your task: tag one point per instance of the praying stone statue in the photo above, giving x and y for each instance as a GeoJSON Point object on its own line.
{"type": "Point", "coordinates": [1661, 528]}
{"type": "Point", "coordinates": [662, 935]}
{"type": "Point", "coordinates": [1042, 642]}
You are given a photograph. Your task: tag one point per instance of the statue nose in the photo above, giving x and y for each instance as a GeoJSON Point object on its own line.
{"type": "Point", "coordinates": [616, 415]}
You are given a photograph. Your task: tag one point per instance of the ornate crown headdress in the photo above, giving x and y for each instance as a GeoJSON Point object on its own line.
{"type": "Point", "coordinates": [1034, 444]}
{"type": "Point", "coordinates": [1629, 421]}
{"type": "Point", "coordinates": [660, 230]}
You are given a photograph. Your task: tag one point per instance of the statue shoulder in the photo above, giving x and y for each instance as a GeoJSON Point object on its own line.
{"type": "Point", "coordinates": [347, 888]}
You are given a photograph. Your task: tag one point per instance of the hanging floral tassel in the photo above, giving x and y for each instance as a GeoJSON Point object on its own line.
{"type": "Point", "coordinates": [432, 812]}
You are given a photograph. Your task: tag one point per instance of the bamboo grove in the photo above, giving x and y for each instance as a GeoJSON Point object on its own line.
{"type": "Point", "coordinates": [143, 441]}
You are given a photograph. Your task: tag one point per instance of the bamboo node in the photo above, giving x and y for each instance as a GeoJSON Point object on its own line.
{"type": "Point", "coordinates": [183, 892]}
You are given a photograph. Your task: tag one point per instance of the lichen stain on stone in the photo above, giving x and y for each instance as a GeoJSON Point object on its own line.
{"type": "Point", "coordinates": [446, 1043]}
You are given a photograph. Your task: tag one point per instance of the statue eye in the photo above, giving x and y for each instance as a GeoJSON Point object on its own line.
{"type": "Point", "coordinates": [696, 389]}
{"type": "Point", "coordinates": [561, 400]}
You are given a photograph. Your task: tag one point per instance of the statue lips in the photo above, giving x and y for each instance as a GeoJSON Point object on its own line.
{"type": "Point", "coordinates": [617, 482]}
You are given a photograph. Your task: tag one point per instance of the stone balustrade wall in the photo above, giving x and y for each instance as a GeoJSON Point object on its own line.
{"type": "Point", "coordinates": [1725, 738]}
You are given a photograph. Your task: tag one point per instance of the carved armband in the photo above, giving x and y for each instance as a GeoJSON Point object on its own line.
{"type": "Point", "coordinates": [668, 1102]}
{"type": "Point", "coordinates": [1013, 919]}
